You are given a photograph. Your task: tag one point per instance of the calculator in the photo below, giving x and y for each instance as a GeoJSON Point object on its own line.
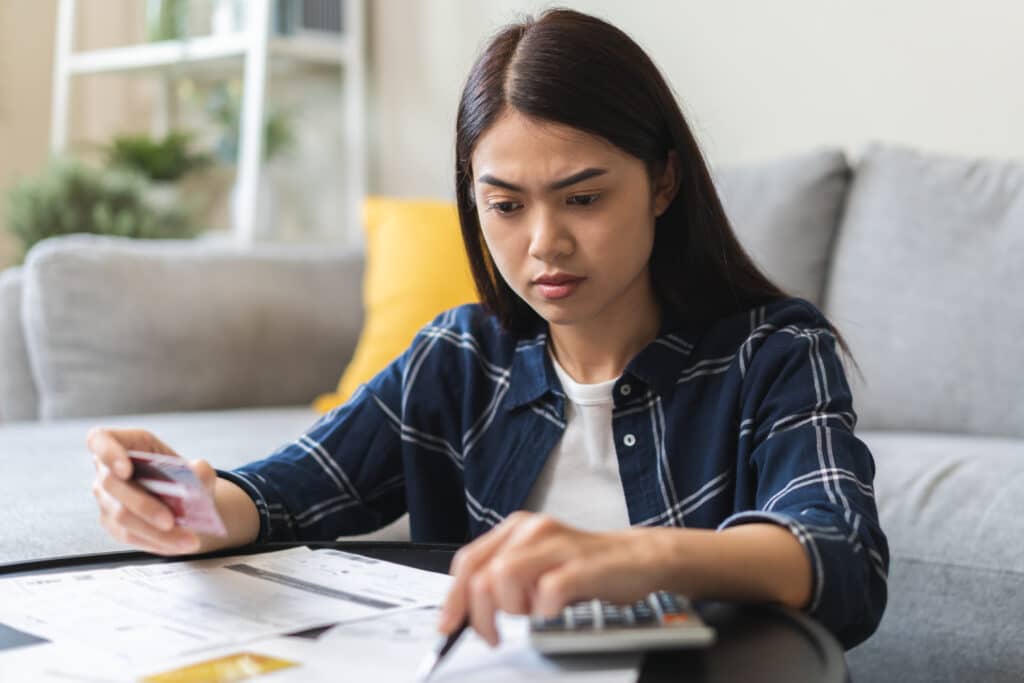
{"type": "Point", "coordinates": [659, 621]}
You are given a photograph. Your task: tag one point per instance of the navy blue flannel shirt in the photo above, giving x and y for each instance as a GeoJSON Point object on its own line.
{"type": "Point", "coordinates": [748, 419]}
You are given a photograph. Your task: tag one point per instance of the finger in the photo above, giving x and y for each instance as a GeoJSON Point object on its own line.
{"type": "Point", "coordinates": [111, 446]}
{"type": "Point", "coordinates": [520, 528]}
{"type": "Point", "coordinates": [481, 609]}
{"type": "Point", "coordinates": [135, 499]}
{"type": "Point", "coordinates": [515, 572]}
{"type": "Point", "coordinates": [135, 540]}
{"type": "Point", "coordinates": [142, 544]}
{"type": "Point", "coordinates": [108, 452]}
{"type": "Point", "coordinates": [124, 525]}
{"type": "Point", "coordinates": [557, 588]}
{"type": "Point", "coordinates": [205, 472]}
{"type": "Point", "coordinates": [470, 554]}
{"type": "Point", "coordinates": [466, 562]}
{"type": "Point", "coordinates": [137, 439]}
{"type": "Point", "coordinates": [586, 578]}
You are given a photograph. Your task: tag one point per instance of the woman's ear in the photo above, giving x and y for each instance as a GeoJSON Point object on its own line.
{"type": "Point", "coordinates": [667, 183]}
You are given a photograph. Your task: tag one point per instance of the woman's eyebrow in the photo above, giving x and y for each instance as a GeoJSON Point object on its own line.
{"type": "Point", "coordinates": [557, 185]}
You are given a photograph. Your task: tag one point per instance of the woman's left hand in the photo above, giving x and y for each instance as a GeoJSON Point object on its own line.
{"type": "Point", "coordinates": [533, 564]}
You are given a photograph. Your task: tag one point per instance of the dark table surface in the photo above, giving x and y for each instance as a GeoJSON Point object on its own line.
{"type": "Point", "coordinates": [755, 642]}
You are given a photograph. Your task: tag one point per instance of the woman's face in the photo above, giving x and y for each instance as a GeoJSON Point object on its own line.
{"type": "Point", "coordinates": [568, 218]}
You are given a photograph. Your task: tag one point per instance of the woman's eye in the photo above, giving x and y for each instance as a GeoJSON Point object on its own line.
{"type": "Point", "coordinates": [502, 208]}
{"type": "Point", "coordinates": [583, 199]}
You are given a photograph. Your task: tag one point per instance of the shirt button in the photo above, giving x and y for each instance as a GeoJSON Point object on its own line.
{"type": "Point", "coordinates": [625, 390]}
{"type": "Point", "coordinates": [629, 440]}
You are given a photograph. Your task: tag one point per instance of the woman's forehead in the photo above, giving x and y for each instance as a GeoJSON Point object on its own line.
{"type": "Point", "coordinates": [517, 141]}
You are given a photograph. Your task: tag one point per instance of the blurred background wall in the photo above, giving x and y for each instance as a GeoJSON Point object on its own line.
{"type": "Point", "coordinates": [756, 79]}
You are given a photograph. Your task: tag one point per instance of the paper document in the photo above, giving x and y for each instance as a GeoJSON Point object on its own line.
{"type": "Point", "coordinates": [148, 612]}
{"type": "Point", "coordinates": [472, 659]}
{"type": "Point", "coordinates": [152, 621]}
{"type": "Point", "coordinates": [391, 648]}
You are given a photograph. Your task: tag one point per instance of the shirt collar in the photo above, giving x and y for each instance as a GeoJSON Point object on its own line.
{"type": "Point", "coordinates": [532, 374]}
{"type": "Point", "coordinates": [658, 365]}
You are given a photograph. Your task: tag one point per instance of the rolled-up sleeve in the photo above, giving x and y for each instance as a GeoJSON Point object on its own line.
{"type": "Point", "coordinates": [343, 476]}
{"type": "Point", "coordinates": [814, 476]}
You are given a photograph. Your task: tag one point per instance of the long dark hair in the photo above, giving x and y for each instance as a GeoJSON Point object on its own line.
{"type": "Point", "coordinates": [574, 69]}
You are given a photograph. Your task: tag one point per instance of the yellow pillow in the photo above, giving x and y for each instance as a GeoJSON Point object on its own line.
{"type": "Point", "coordinates": [416, 267]}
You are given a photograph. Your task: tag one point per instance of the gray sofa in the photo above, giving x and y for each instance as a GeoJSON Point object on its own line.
{"type": "Point", "coordinates": [918, 259]}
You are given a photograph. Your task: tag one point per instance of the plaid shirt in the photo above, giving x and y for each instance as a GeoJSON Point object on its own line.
{"type": "Point", "coordinates": [749, 419]}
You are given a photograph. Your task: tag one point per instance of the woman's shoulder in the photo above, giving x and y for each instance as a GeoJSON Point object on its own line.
{"type": "Point", "coordinates": [466, 319]}
{"type": "Point", "coordinates": [787, 330]}
{"type": "Point", "coordinates": [793, 312]}
{"type": "Point", "coordinates": [772, 324]}
{"type": "Point", "coordinates": [787, 312]}
{"type": "Point", "coordinates": [468, 329]}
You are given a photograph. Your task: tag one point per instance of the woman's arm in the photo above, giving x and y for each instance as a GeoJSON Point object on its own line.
{"type": "Point", "coordinates": [532, 563]}
{"type": "Point", "coordinates": [749, 563]}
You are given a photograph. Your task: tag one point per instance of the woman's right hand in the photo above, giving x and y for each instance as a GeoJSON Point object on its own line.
{"type": "Point", "coordinates": [128, 512]}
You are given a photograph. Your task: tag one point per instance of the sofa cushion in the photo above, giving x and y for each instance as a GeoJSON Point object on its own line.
{"type": "Point", "coordinates": [416, 267]}
{"type": "Point", "coordinates": [55, 514]}
{"type": "Point", "coordinates": [926, 286]}
{"type": "Point", "coordinates": [785, 214]}
{"type": "Point", "coordinates": [18, 399]}
{"type": "Point", "coordinates": [952, 509]}
{"type": "Point", "coordinates": [118, 326]}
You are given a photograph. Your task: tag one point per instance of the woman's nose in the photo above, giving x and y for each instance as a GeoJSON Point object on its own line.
{"type": "Point", "coordinates": [549, 239]}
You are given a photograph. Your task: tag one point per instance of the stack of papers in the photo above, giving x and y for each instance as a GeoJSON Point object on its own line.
{"type": "Point", "coordinates": [227, 619]}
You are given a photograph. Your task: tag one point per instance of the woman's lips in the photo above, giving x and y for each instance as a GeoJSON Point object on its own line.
{"type": "Point", "coordinates": [560, 289]}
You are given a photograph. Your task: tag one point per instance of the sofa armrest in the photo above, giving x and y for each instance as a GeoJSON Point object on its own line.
{"type": "Point", "coordinates": [116, 325]}
{"type": "Point", "coordinates": [18, 398]}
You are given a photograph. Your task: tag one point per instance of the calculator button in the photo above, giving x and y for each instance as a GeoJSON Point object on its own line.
{"type": "Point", "coordinates": [645, 616]}
{"type": "Point", "coordinates": [584, 620]}
{"type": "Point", "coordinates": [669, 603]}
{"type": "Point", "coordinates": [551, 624]}
{"type": "Point", "coordinates": [643, 608]}
{"type": "Point", "coordinates": [615, 619]}
{"type": "Point", "coordinates": [675, 618]}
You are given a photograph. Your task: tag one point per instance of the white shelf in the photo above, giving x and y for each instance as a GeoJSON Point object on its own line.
{"type": "Point", "coordinates": [244, 53]}
{"type": "Point", "coordinates": [312, 48]}
{"type": "Point", "coordinates": [182, 53]}
{"type": "Point", "coordinates": [156, 55]}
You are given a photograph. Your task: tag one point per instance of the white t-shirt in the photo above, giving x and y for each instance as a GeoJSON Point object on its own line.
{"type": "Point", "coordinates": [580, 483]}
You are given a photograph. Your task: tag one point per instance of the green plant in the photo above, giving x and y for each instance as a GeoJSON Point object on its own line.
{"type": "Point", "coordinates": [162, 160]}
{"type": "Point", "coordinates": [224, 105]}
{"type": "Point", "coordinates": [71, 197]}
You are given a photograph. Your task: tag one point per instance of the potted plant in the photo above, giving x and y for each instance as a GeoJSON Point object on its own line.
{"type": "Point", "coordinates": [69, 197]}
{"type": "Point", "coordinates": [165, 162]}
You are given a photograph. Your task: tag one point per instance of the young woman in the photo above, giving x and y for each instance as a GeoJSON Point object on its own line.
{"type": "Point", "coordinates": [633, 406]}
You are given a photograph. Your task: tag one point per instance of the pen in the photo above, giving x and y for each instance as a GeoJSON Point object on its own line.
{"type": "Point", "coordinates": [443, 647]}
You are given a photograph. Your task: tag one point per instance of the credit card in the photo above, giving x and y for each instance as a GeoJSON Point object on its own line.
{"type": "Point", "coordinates": [228, 669]}
{"type": "Point", "coordinates": [170, 479]}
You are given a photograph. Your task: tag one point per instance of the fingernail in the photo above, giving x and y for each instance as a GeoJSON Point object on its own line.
{"type": "Point", "coordinates": [165, 522]}
{"type": "Point", "coordinates": [122, 469]}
